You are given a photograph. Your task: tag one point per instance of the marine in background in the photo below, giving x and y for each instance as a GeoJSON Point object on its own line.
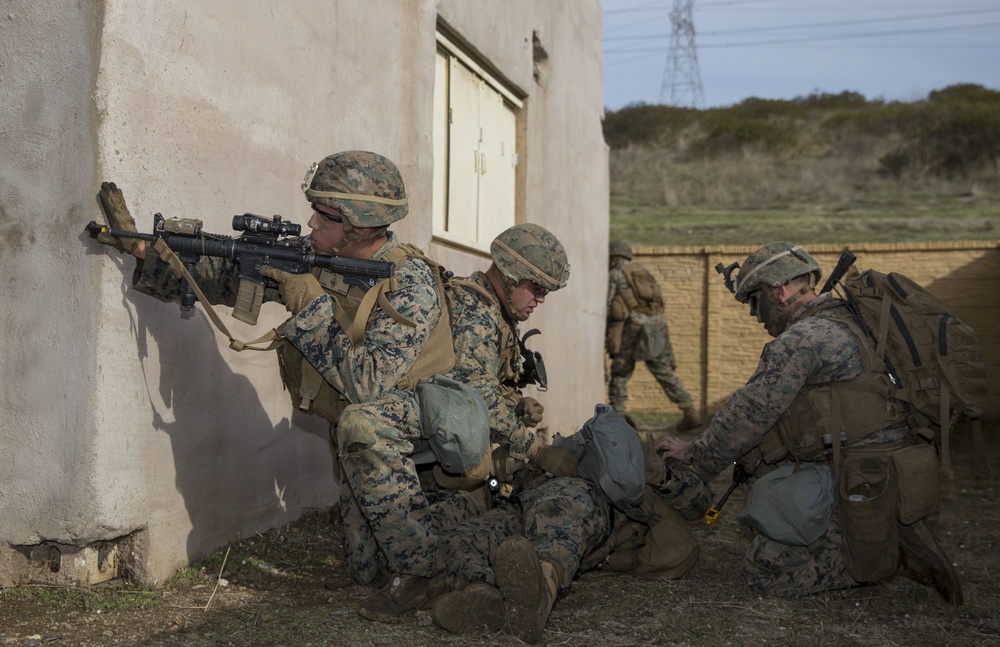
{"type": "Point", "coordinates": [637, 331]}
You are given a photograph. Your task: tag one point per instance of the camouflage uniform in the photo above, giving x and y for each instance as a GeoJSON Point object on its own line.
{"type": "Point", "coordinates": [567, 519]}
{"type": "Point", "coordinates": [811, 350]}
{"type": "Point", "coordinates": [637, 329]}
{"type": "Point", "coordinates": [487, 358]}
{"type": "Point", "coordinates": [381, 496]}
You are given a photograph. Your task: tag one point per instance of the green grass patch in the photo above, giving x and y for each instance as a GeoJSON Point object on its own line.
{"type": "Point", "coordinates": [93, 599]}
{"type": "Point", "coordinates": [829, 224]}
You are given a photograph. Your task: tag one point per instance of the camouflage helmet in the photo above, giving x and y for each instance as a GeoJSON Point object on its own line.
{"type": "Point", "coordinates": [366, 187]}
{"type": "Point", "coordinates": [620, 248]}
{"type": "Point", "coordinates": [528, 252]}
{"type": "Point", "coordinates": [773, 265]}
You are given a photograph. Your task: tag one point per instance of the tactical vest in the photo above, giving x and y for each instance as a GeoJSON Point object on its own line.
{"type": "Point", "coordinates": [642, 294]}
{"type": "Point", "coordinates": [310, 392]}
{"type": "Point", "coordinates": [843, 411]}
{"type": "Point", "coordinates": [510, 352]}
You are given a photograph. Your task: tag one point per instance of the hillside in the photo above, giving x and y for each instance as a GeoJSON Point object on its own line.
{"type": "Point", "coordinates": [818, 169]}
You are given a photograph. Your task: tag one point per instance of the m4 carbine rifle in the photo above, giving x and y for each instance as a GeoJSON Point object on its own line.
{"type": "Point", "coordinates": [275, 243]}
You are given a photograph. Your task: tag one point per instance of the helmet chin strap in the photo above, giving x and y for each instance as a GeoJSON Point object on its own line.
{"type": "Point", "coordinates": [350, 235]}
{"type": "Point", "coordinates": [780, 316]}
{"type": "Point", "coordinates": [508, 295]}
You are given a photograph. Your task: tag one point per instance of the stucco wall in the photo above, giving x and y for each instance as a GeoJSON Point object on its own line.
{"type": "Point", "coordinates": [122, 419]}
{"type": "Point", "coordinates": [717, 344]}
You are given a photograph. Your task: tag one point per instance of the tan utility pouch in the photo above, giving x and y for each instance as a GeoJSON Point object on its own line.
{"type": "Point", "coordinates": [650, 337]}
{"type": "Point", "coordinates": [868, 511]}
{"type": "Point", "coordinates": [919, 482]}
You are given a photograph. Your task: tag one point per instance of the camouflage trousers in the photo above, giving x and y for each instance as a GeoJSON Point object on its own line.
{"type": "Point", "coordinates": [390, 525]}
{"type": "Point", "coordinates": [774, 569]}
{"type": "Point", "coordinates": [567, 520]}
{"type": "Point", "coordinates": [661, 367]}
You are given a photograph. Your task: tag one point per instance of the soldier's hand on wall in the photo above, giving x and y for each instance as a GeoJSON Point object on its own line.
{"type": "Point", "coordinates": [529, 411]}
{"type": "Point", "coordinates": [116, 211]}
{"type": "Point", "coordinates": [557, 461]}
{"type": "Point", "coordinates": [296, 290]}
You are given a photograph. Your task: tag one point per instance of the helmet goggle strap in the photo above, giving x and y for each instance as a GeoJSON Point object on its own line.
{"type": "Point", "coordinates": [772, 313]}
{"type": "Point", "coordinates": [358, 197]}
{"type": "Point", "coordinates": [537, 271]}
{"type": "Point", "coordinates": [741, 279]}
{"type": "Point", "coordinates": [508, 294]}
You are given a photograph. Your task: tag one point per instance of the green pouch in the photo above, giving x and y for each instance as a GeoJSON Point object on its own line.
{"type": "Point", "coordinates": [792, 504]}
{"type": "Point", "coordinates": [455, 421]}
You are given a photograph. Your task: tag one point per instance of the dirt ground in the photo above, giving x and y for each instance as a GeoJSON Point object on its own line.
{"type": "Point", "coordinates": [287, 588]}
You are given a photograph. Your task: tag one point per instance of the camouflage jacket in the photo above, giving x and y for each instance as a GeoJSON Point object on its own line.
{"type": "Point", "coordinates": [368, 371]}
{"type": "Point", "coordinates": [813, 350]}
{"type": "Point", "coordinates": [485, 351]}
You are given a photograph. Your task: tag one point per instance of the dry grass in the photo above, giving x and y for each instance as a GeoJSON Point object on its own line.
{"type": "Point", "coordinates": [287, 588]}
{"type": "Point", "coordinates": [830, 184]}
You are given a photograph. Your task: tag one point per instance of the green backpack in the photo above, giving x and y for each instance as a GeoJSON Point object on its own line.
{"type": "Point", "coordinates": [932, 358]}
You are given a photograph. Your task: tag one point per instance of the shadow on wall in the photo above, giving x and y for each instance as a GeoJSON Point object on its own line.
{"type": "Point", "coordinates": [228, 457]}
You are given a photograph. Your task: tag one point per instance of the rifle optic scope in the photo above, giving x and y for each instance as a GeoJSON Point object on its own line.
{"type": "Point", "coordinates": [261, 225]}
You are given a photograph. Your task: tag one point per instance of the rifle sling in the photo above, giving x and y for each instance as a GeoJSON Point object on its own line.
{"type": "Point", "coordinates": [175, 263]}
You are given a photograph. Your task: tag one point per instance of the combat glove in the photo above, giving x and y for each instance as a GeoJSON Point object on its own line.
{"type": "Point", "coordinates": [504, 465]}
{"type": "Point", "coordinates": [296, 290]}
{"type": "Point", "coordinates": [113, 204]}
{"type": "Point", "coordinates": [529, 411]}
{"type": "Point", "coordinates": [557, 461]}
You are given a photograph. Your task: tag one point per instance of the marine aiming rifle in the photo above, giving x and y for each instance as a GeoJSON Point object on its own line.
{"type": "Point", "coordinates": [264, 242]}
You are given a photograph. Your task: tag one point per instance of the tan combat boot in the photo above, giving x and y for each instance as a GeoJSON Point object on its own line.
{"type": "Point", "coordinates": [477, 606]}
{"type": "Point", "coordinates": [405, 593]}
{"type": "Point", "coordinates": [923, 557]}
{"type": "Point", "coordinates": [529, 588]}
{"type": "Point", "coordinates": [690, 420]}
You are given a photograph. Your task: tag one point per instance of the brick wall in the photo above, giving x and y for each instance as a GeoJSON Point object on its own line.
{"type": "Point", "coordinates": [717, 343]}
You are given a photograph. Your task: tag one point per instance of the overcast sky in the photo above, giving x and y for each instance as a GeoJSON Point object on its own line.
{"type": "Point", "coordinates": [781, 49]}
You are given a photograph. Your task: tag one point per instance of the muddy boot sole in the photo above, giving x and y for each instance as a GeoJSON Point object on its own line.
{"type": "Point", "coordinates": [475, 608]}
{"type": "Point", "coordinates": [404, 595]}
{"type": "Point", "coordinates": [519, 576]}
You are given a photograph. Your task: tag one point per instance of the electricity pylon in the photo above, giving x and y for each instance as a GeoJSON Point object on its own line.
{"type": "Point", "coordinates": [681, 77]}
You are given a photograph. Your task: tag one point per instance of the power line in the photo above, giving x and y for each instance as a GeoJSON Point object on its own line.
{"type": "Point", "coordinates": [813, 39]}
{"type": "Point", "coordinates": [817, 25]}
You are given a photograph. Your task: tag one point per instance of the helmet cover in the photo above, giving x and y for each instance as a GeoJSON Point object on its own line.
{"type": "Point", "coordinates": [529, 252]}
{"type": "Point", "coordinates": [773, 265]}
{"type": "Point", "coordinates": [365, 187]}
